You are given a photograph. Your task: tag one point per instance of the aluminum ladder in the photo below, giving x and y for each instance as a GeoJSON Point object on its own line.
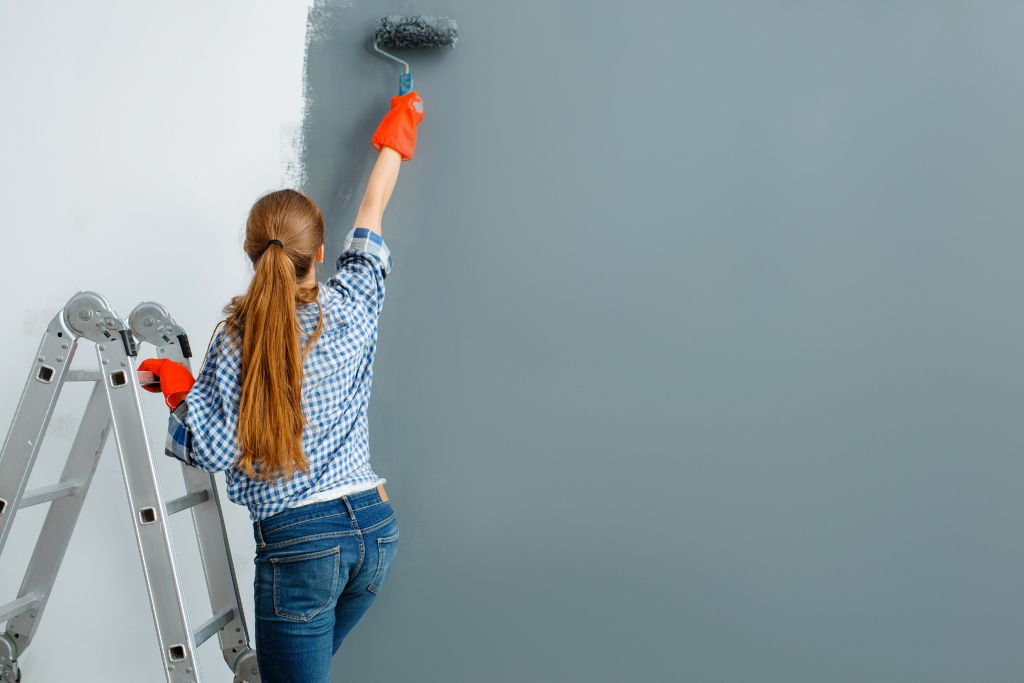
{"type": "Point", "coordinates": [115, 402]}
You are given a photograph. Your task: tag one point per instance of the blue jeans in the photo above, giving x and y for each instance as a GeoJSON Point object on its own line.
{"type": "Point", "coordinates": [319, 567]}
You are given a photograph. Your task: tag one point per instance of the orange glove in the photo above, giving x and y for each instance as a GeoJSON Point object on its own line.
{"type": "Point", "coordinates": [398, 128]}
{"type": "Point", "coordinates": [175, 379]}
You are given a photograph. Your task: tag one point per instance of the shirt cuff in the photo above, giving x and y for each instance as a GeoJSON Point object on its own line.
{"type": "Point", "coordinates": [179, 436]}
{"type": "Point", "coordinates": [366, 240]}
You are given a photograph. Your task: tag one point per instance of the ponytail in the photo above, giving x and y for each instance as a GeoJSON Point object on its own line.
{"type": "Point", "coordinates": [264, 322]}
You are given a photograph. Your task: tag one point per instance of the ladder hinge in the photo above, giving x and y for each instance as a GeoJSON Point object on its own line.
{"type": "Point", "coordinates": [128, 339]}
{"type": "Point", "coordinates": [186, 350]}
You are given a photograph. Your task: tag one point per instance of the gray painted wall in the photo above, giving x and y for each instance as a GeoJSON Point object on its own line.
{"type": "Point", "coordinates": [700, 357]}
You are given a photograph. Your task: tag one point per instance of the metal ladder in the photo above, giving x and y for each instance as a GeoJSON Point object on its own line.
{"type": "Point", "coordinates": [115, 402]}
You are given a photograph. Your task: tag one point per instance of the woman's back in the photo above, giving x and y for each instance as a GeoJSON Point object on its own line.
{"type": "Point", "coordinates": [336, 386]}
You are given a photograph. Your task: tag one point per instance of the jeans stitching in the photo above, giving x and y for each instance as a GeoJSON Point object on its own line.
{"type": "Point", "coordinates": [311, 537]}
{"type": "Point", "coordinates": [336, 551]}
{"type": "Point", "coordinates": [362, 546]}
{"type": "Point", "coordinates": [373, 587]}
{"type": "Point", "coordinates": [264, 532]}
{"type": "Point", "coordinates": [362, 554]}
{"type": "Point", "coordinates": [377, 525]}
{"type": "Point", "coordinates": [316, 554]}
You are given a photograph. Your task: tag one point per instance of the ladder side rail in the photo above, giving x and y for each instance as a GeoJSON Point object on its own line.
{"type": "Point", "coordinates": [61, 517]}
{"type": "Point", "coordinates": [51, 368]}
{"type": "Point", "coordinates": [151, 323]}
{"type": "Point", "coordinates": [32, 417]}
{"type": "Point", "coordinates": [145, 500]}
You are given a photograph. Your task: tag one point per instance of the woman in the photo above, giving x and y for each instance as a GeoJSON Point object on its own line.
{"type": "Point", "coordinates": [280, 405]}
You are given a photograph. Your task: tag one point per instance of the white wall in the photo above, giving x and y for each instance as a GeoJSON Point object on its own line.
{"type": "Point", "coordinates": [135, 136]}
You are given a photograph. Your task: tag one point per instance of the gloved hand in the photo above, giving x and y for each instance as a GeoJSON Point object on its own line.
{"type": "Point", "coordinates": [175, 379]}
{"type": "Point", "coordinates": [398, 128]}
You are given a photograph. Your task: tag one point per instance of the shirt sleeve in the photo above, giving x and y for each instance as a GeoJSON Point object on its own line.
{"type": "Point", "coordinates": [203, 429]}
{"type": "Point", "coordinates": [364, 263]}
{"type": "Point", "coordinates": [179, 436]}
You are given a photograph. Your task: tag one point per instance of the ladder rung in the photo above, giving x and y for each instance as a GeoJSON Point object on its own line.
{"type": "Point", "coordinates": [44, 494]}
{"type": "Point", "coordinates": [212, 625]}
{"type": "Point", "coordinates": [83, 376]}
{"type": "Point", "coordinates": [15, 607]}
{"type": "Point", "coordinates": [187, 501]}
{"type": "Point", "coordinates": [145, 377]}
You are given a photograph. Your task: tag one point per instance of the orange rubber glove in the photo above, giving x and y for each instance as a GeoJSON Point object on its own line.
{"type": "Point", "coordinates": [175, 379]}
{"type": "Point", "coordinates": [398, 128]}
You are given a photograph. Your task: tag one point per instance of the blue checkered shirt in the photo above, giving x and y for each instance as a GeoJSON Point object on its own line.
{"type": "Point", "coordinates": [338, 373]}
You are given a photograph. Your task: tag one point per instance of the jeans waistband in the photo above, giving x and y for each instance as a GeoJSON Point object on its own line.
{"type": "Point", "coordinates": [361, 499]}
{"type": "Point", "coordinates": [351, 502]}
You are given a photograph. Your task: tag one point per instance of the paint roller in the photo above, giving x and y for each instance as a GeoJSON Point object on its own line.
{"type": "Point", "coordinates": [399, 32]}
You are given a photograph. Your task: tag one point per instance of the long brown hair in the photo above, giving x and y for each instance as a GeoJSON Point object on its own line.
{"type": "Point", "coordinates": [264, 322]}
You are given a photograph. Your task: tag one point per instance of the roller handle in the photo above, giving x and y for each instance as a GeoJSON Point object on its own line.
{"type": "Point", "coordinates": [404, 83]}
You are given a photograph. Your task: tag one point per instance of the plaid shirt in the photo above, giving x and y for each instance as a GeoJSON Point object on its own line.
{"type": "Point", "coordinates": [338, 371]}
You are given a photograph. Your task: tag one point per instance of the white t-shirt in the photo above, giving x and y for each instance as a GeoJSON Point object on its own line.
{"type": "Point", "coordinates": [338, 491]}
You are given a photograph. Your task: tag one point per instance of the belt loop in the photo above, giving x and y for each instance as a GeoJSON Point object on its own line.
{"type": "Point", "coordinates": [348, 507]}
{"type": "Point", "coordinates": [259, 533]}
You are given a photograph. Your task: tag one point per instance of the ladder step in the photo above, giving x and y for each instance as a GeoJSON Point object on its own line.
{"type": "Point", "coordinates": [44, 494]}
{"type": "Point", "coordinates": [187, 501]}
{"type": "Point", "coordinates": [95, 376]}
{"type": "Point", "coordinates": [15, 607]}
{"type": "Point", "coordinates": [212, 625]}
{"type": "Point", "coordinates": [83, 376]}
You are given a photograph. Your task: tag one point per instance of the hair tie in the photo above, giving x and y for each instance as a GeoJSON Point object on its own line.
{"type": "Point", "coordinates": [269, 242]}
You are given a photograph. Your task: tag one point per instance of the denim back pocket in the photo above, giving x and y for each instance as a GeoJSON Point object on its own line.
{"type": "Point", "coordinates": [386, 547]}
{"type": "Point", "coordinates": [306, 583]}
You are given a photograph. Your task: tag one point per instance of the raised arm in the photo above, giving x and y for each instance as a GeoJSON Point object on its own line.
{"type": "Point", "coordinates": [378, 190]}
{"type": "Point", "coordinates": [395, 137]}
